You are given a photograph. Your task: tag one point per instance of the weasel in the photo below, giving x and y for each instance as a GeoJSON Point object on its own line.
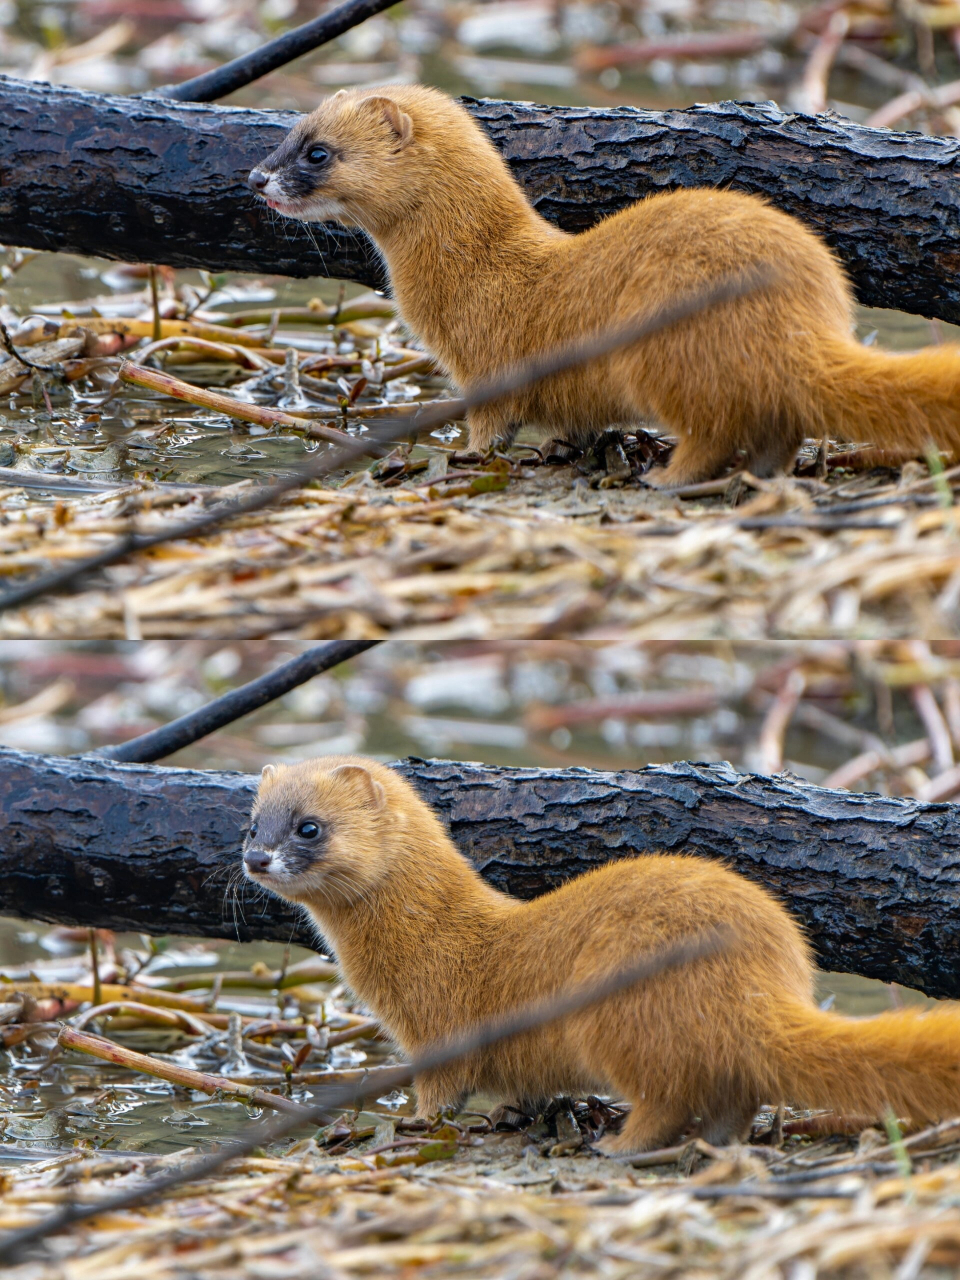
{"type": "Point", "coordinates": [432, 950]}
{"type": "Point", "coordinates": [485, 282]}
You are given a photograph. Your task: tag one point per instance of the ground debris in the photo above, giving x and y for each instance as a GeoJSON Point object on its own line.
{"type": "Point", "coordinates": [498, 1207]}
{"type": "Point", "coordinates": [536, 552]}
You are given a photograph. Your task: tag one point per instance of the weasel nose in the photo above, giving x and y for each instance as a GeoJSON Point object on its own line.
{"type": "Point", "coordinates": [256, 860]}
{"type": "Point", "coordinates": [257, 179]}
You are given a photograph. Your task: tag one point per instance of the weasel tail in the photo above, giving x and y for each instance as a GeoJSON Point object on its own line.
{"type": "Point", "coordinates": [908, 1060]}
{"type": "Point", "coordinates": [906, 401]}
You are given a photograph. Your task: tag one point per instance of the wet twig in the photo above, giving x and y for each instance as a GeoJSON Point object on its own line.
{"type": "Point", "coordinates": [203, 1082]}
{"type": "Point", "coordinates": [262, 415]}
{"type": "Point", "coordinates": [7, 341]}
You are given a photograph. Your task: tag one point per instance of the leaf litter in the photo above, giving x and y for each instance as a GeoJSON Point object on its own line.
{"type": "Point", "coordinates": [429, 541]}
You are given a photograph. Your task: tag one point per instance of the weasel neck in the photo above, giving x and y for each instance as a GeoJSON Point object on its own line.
{"type": "Point", "coordinates": [468, 261]}
{"type": "Point", "coordinates": [418, 949]}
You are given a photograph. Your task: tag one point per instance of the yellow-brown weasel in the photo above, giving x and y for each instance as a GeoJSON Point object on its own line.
{"type": "Point", "coordinates": [432, 949]}
{"type": "Point", "coordinates": [485, 282]}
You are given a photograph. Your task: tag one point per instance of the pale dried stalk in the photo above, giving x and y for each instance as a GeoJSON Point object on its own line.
{"type": "Point", "coordinates": [776, 721]}
{"type": "Point", "coordinates": [931, 717]}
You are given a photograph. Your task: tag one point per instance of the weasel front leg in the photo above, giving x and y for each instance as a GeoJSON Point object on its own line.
{"type": "Point", "coordinates": [490, 427]}
{"type": "Point", "coordinates": [694, 459]}
{"type": "Point", "coordinates": [437, 1090]}
{"type": "Point", "coordinates": [649, 1126]}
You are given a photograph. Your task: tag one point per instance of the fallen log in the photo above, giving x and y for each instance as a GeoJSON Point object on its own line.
{"type": "Point", "coordinates": [875, 881]}
{"type": "Point", "coordinates": [149, 180]}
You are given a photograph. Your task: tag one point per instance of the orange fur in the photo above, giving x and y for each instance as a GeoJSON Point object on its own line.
{"type": "Point", "coordinates": [431, 948]}
{"type": "Point", "coordinates": [485, 281]}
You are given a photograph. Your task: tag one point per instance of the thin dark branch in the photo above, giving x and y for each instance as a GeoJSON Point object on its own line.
{"type": "Point", "coordinates": [275, 53]}
{"type": "Point", "coordinates": [238, 702]}
{"type": "Point", "coordinates": [7, 342]}
{"type": "Point", "coordinates": [481, 1037]}
{"type": "Point", "coordinates": [393, 432]}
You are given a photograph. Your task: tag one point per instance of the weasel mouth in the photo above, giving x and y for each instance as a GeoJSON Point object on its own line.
{"type": "Point", "coordinates": [286, 207]}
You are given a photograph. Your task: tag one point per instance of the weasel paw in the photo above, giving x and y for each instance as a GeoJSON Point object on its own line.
{"type": "Point", "coordinates": [659, 478]}
{"type": "Point", "coordinates": [613, 1145]}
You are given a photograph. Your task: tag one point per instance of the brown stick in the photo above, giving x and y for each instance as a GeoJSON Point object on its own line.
{"type": "Point", "coordinates": [379, 1079]}
{"type": "Point", "coordinates": [817, 71]}
{"type": "Point", "coordinates": [931, 717]}
{"type": "Point", "coordinates": [168, 329]}
{"type": "Point", "coordinates": [905, 104]}
{"type": "Point", "coordinates": [951, 708]}
{"type": "Point", "coordinates": [416, 364]}
{"type": "Point", "coordinates": [204, 349]}
{"type": "Point", "coordinates": [152, 1013]}
{"type": "Point", "coordinates": [107, 1051]}
{"type": "Point", "coordinates": [644, 706]}
{"type": "Point", "coordinates": [263, 416]}
{"type": "Point", "coordinates": [95, 968]}
{"type": "Point", "coordinates": [861, 766]}
{"type": "Point", "coordinates": [943, 787]}
{"type": "Point", "coordinates": [733, 44]}
{"type": "Point", "coordinates": [359, 1031]}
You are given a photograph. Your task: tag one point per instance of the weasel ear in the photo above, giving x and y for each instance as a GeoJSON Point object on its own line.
{"type": "Point", "coordinates": [396, 118]}
{"type": "Point", "coordinates": [269, 771]}
{"type": "Point", "coordinates": [356, 773]}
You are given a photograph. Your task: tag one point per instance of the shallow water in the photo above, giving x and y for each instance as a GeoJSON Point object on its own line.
{"type": "Point", "coordinates": [141, 435]}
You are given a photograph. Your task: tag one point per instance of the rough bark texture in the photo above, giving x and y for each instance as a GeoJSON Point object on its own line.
{"type": "Point", "coordinates": [144, 179]}
{"type": "Point", "coordinates": [875, 881]}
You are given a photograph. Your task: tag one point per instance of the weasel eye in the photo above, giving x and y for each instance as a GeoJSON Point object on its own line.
{"type": "Point", "coordinates": [309, 830]}
{"type": "Point", "coordinates": [253, 831]}
{"type": "Point", "coordinates": [317, 155]}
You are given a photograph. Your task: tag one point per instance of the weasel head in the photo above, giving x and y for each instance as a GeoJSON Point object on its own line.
{"type": "Point", "coordinates": [359, 159]}
{"type": "Point", "coordinates": [320, 831]}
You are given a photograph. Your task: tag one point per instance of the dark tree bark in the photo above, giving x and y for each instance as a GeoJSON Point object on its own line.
{"type": "Point", "coordinates": [876, 882]}
{"type": "Point", "coordinates": [144, 179]}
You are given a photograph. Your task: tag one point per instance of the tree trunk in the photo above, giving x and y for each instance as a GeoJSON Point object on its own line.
{"type": "Point", "coordinates": [149, 180]}
{"type": "Point", "coordinates": [876, 882]}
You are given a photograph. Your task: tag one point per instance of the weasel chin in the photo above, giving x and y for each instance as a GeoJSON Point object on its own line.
{"type": "Point", "coordinates": [309, 211]}
{"type": "Point", "coordinates": [324, 211]}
